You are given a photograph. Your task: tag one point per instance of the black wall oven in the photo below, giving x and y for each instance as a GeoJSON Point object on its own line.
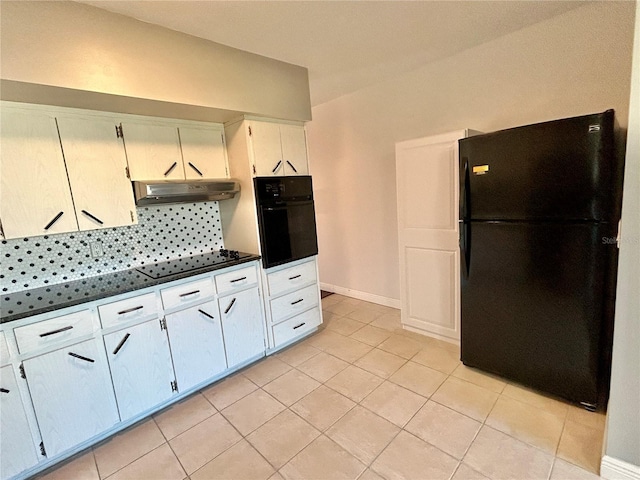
{"type": "Point", "coordinates": [286, 218]}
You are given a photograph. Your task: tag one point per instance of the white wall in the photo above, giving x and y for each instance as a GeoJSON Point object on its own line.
{"type": "Point", "coordinates": [76, 55]}
{"type": "Point", "coordinates": [573, 64]}
{"type": "Point", "coordinates": [623, 429]}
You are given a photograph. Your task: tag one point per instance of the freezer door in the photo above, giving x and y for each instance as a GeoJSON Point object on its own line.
{"type": "Point", "coordinates": [563, 169]}
{"type": "Point", "coordinates": [532, 304]}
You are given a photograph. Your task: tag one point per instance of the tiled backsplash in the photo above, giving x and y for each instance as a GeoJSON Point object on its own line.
{"type": "Point", "coordinates": [163, 233]}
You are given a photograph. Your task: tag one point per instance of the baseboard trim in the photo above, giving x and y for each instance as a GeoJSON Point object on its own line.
{"type": "Point", "coordinates": [367, 297]}
{"type": "Point", "coordinates": [612, 468]}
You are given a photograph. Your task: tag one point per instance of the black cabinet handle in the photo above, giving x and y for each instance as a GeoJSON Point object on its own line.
{"type": "Point", "coordinates": [170, 169]}
{"type": "Point", "coordinates": [230, 305]}
{"type": "Point", "coordinates": [195, 168]}
{"type": "Point", "coordinates": [294, 277]}
{"type": "Point", "coordinates": [86, 359]}
{"type": "Point", "coordinates": [55, 219]}
{"type": "Point", "coordinates": [277, 166]}
{"type": "Point", "coordinates": [53, 332]}
{"type": "Point", "coordinates": [291, 165]}
{"type": "Point", "coordinates": [206, 314]}
{"type": "Point", "coordinates": [237, 280]}
{"type": "Point", "coordinates": [300, 325]}
{"type": "Point", "coordinates": [122, 342]}
{"type": "Point", "coordinates": [297, 301]}
{"type": "Point", "coordinates": [188, 293]}
{"type": "Point", "coordinates": [4, 390]}
{"type": "Point", "coordinates": [93, 217]}
{"type": "Point", "coordinates": [129, 310]}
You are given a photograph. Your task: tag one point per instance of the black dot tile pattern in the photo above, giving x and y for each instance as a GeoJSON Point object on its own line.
{"type": "Point", "coordinates": [35, 301]}
{"type": "Point", "coordinates": [163, 232]}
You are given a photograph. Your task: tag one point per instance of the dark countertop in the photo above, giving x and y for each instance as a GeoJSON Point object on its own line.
{"type": "Point", "coordinates": [26, 303]}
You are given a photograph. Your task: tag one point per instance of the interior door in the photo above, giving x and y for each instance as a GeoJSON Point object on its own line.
{"type": "Point", "coordinates": [267, 150]}
{"type": "Point", "coordinates": [96, 164]}
{"type": "Point", "coordinates": [35, 198]}
{"type": "Point", "coordinates": [427, 184]}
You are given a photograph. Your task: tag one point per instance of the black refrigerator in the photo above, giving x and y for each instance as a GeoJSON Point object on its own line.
{"type": "Point", "coordinates": [539, 211]}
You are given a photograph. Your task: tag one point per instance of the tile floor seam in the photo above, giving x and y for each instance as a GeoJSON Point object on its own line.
{"type": "Point", "coordinates": [133, 461]}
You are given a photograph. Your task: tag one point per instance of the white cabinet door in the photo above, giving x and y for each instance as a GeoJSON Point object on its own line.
{"type": "Point", "coordinates": [17, 449]}
{"type": "Point", "coordinates": [96, 164]}
{"type": "Point", "coordinates": [294, 150]}
{"type": "Point", "coordinates": [267, 149]}
{"type": "Point", "coordinates": [35, 198]}
{"type": "Point", "coordinates": [427, 181]}
{"type": "Point", "coordinates": [153, 151]}
{"type": "Point", "coordinates": [195, 335]}
{"type": "Point", "coordinates": [203, 153]}
{"type": "Point", "coordinates": [242, 326]}
{"type": "Point", "coordinates": [72, 395]}
{"type": "Point", "coordinates": [141, 367]}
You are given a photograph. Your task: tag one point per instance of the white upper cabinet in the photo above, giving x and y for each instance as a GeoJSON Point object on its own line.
{"type": "Point", "coordinates": [203, 152]}
{"type": "Point", "coordinates": [174, 151]}
{"type": "Point", "coordinates": [97, 165]}
{"type": "Point", "coordinates": [278, 149]}
{"type": "Point", "coordinates": [153, 151]}
{"type": "Point", "coordinates": [35, 197]}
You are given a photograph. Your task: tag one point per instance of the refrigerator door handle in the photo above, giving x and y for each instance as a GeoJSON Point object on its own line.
{"type": "Point", "coordinates": [465, 199]}
{"type": "Point", "coordinates": [465, 247]}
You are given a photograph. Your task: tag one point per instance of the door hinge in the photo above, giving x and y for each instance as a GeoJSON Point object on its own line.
{"type": "Point", "coordinates": [126, 172]}
{"type": "Point", "coordinates": [119, 133]}
{"type": "Point", "coordinates": [163, 324]}
{"type": "Point", "coordinates": [174, 386]}
{"type": "Point", "coordinates": [22, 374]}
{"type": "Point", "coordinates": [249, 130]}
{"type": "Point", "coordinates": [43, 452]}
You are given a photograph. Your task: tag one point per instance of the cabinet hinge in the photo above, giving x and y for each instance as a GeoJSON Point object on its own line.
{"type": "Point", "coordinates": [119, 133]}
{"type": "Point", "coordinates": [249, 130]}
{"type": "Point", "coordinates": [174, 386]}
{"type": "Point", "coordinates": [2, 230]}
{"type": "Point", "coordinates": [43, 452]}
{"type": "Point", "coordinates": [132, 217]}
{"type": "Point", "coordinates": [163, 324]}
{"type": "Point", "coordinates": [126, 172]}
{"type": "Point", "coordinates": [254, 169]}
{"type": "Point", "coordinates": [222, 137]}
{"type": "Point", "coordinates": [22, 374]}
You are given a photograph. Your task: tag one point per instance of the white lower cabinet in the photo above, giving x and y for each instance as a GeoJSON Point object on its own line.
{"type": "Point", "coordinates": [17, 450]}
{"type": "Point", "coordinates": [197, 348]}
{"type": "Point", "coordinates": [71, 394]}
{"type": "Point", "coordinates": [242, 326]}
{"type": "Point", "coordinates": [141, 367]}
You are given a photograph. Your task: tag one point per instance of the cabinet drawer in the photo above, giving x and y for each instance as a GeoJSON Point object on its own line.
{"type": "Point", "coordinates": [293, 303]}
{"type": "Point", "coordinates": [134, 308]}
{"type": "Point", "coordinates": [4, 350]}
{"type": "Point", "coordinates": [292, 277]}
{"type": "Point", "coordinates": [188, 293]}
{"type": "Point", "coordinates": [51, 332]}
{"type": "Point", "coordinates": [236, 280]}
{"type": "Point", "coordinates": [295, 327]}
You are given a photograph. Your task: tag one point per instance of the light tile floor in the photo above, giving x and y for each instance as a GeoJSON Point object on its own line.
{"type": "Point", "coordinates": [361, 398]}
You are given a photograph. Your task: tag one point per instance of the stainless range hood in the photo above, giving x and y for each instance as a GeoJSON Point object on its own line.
{"type": "Point", "coordinates": [160, 192]}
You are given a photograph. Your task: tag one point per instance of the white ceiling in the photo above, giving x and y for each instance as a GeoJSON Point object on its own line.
{"type": "Point", "coordinates": [346, 45]}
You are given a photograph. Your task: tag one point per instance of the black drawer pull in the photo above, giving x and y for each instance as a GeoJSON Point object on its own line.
{"type": "Point", "coordinates": [170, 169]}
{"type": "Point", "coordinates": [92, 217]}
{"type": "Point", "coordinates": [291, 165]}
{"type": "Point", "coordinates": [122, 342]}
{"type": "Point", "coordinates": [206, 314]}
{"type": "Point", "coordinates": [53, 332]}
{"type": "Point", "coordinates": [230, 305]}
{"type": "Point", "coordinates": [237, 280]}
{"type": "Point", "coordinates": [129, 310]}
{"type": "Point", "coordinates": [86, 359]}
{"type": "Point", "coordinates": [297, 301]}
{"type": "Point", "coordinates": [277, 166]}
{"type": "Point", "coordinates": [55, 219]}
{"type": "Point", "coordinates": [4, 390]}
{"type": "Point", "coordinates": [294, 277]}
{"type": "Point", "coordinates": [189, 293]}
{"type": "Point", "coordinates": [195, 168]}
{"type": "Point", "coordinates": [298, 326]}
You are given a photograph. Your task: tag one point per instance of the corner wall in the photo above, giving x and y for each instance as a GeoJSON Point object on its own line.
{"type": "Point", "coordinates": [573, 64]}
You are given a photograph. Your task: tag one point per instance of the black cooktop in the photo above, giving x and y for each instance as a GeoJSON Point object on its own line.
{"type": "Point", "coordinates": [191, 264]}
